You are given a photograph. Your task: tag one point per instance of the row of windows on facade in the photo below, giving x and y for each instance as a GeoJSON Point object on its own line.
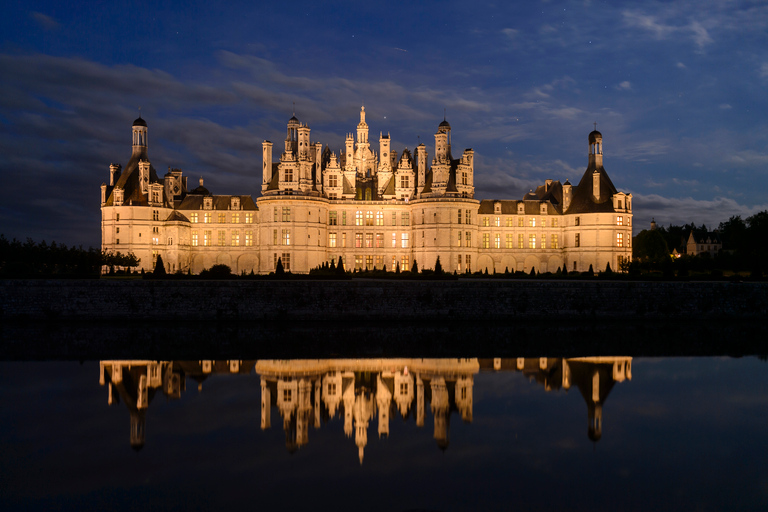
{"type": "Point", "coordinates": [370, 218]}
{"type": "Point", "coordinates": [373, 262]}
{"type": "Point", "coordinates": [221, 218]}
{"type": "Point", "coordinates": [234, 239]}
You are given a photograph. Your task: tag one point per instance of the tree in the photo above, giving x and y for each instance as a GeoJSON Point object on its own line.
{"type": "Point", "coordinates": [415, 268]}
{"type": "Point", "coordinates": [649, 245]}
{"type": "Point", "coordinates": [438, 267]}
{"type": "Point", "coordinates": [159, 267]}
{"type": "Point", "coordinates": [608, 268]}
{"type": "Point", "coordinates": [340, 267]}
{"type": "Point", "coordinates": [279, 270]}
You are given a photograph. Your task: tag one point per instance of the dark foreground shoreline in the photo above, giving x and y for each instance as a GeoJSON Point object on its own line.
{"type": "Point", "coordinates": [85, 320]}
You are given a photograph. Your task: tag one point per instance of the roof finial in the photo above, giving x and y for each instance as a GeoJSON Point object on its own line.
{"type": "Point", "coordinates": [595, 123]}
{"type": "Point", "coordinates": [444, 114]}
{"type": "Point", "coordinates": [139, 112]}
{"type": "Point", "coordinates": [294, 109]}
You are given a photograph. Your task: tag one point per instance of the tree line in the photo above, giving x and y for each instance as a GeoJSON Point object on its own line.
{"type": "Point", "coordinates": [744, 247]}
{"type": "Point", "coordinates": [32, 259]}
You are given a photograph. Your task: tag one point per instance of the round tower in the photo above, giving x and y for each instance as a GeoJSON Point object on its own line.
{"type": "Point", "coordinates": [139, 129]}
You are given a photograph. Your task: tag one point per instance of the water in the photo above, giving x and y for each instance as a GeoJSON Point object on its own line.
{"type": "Point", "coordinates": [645, 434]}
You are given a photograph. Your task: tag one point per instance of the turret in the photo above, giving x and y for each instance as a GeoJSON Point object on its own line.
{"type": "Point", "coordinates": [266, 169]}
{"type": "Point", "coordinates": [292, 135]}
{"type": "Point", "coordinates": [567, 195]}
{"type": "Point", "coordinates": [140, 137]}
{"type": "Point", "coordinates": [596, 149]}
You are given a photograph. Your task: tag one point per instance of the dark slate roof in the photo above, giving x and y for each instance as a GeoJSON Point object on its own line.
{"type": "Point", "coordinates": [509, 207]}
{"type": "Point", "coordinates": [129, 181]}
{"type": "Point", "coordinates": [139, 122]}
{"type": "Point", "coordinates": [451, 187]}
{"type": "Point", "coordinates": [583, 201]}
{"type": "Point", "coordinates": [427, 182]}
{"type": "Point", "coordinates": [389, 190]}
{"type": "Point", "coordinates": [176, 216]}
{"type": "Point", "coordinates": [594, 135]}
{"type": "Point", "coordinates": [347, 186]}
{"type": "Point", "coordinates": [274, 183]}
{"type": "Point", "coordinates": [220, 203]}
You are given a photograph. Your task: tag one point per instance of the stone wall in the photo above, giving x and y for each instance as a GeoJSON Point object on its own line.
{"type": "Point", "coordinates": [365, 300]}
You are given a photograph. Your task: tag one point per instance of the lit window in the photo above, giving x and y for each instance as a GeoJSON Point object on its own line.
{"type": "Point", "coordinates": [509, 243]}
{"type": "Point", "coordinates": [332, 220]}
{"type": "Point", "coordinates": [369, 262]}
{"type": "Point", "coordinates": [619, 239]}
{"type": "Point", "coordinates": [286, 214]}
{"type": "Point", "coordinates": [333, 180]}
{"type": "Point", "coordinates": [497, 241]}
{"type": "Point", "coordinates": [485, 222]}
{"type": "Point", "coordinates": [193, 217]}
{"type": "Point", "coordinates": [207, 238]}
{"type": "Point", "coordinates": [404, 264]}
{"type": "Point", "coordinates": [394, 218]}
{"type": "Point", "coordinates": [459, 241]}
{"type": "Point", "coordinates": [486, 238]}
{"type": "Point", "coordinates": [520, 222]}
{"type": "Point", "coordinates": [343, 218]}
{"type": "Point", "coordinates": [469, 263]}
{"type": "Point", "coordinates": [358, 218]}
{"type": "Point", "coordinates": [543, 241]}
{"type": "Point", "coordinates": [235, 238]}
{"type": "Point", "coordinates": [222, 237]}
{"type": "Point", "coordinates": [286, 236]}
{"type": "Point", "coordinates": [248, 238]}
{"type": "Point", "coordinates": [235, 218]}
{"type": "Point", "coordinates": [222, 218]}
{"type": "Point", "coordinates": [498, 221]}
{"type": "Point", "coordinates": [509, 222]}
{"type": "Point", "coordinates": [379, 262]}
{"type": "Point", "coordinates": [358, 240]}
{"type": "Point", "coordinates": [379, 239]}
{"type": "Point", "coordinates": [554, 223]}
{"type": "Point", "coordinates": [459, 216]}
{"type": "Point", "coordinates": [207, 218]}
{"type": "Point", "coordinates": [404, 240]}
{"type": "Point", "coordinates": [331, 239]}
{"type": "Point", "coordinates": [405, 219]}
{"type": "Point", "coordinates": [520, 241]}
{"type": "Point", "coordinates": [369, 218]}
{"type": "Point", "coordinates": [379, 218]}
{"type": "Point", "coordinates": [286, 260]}
{"type": "Point", "coordinates": [468, 239]}
{"type": "Point", "coordinates": [620, 220]}
{"type": "Point", "coordinates": [532, 222]}
{"type": "Point", "coordinates": [358, 261]}
{"type": "Point", "coordinates": [155, 240]}
{"type": "Point", "coordinates": [458, 267]}
{"type": "Point", "coordinates": [555, 244]}
{"type": "Point", "coordinates": [467, 217]}
{"type": "Point", "coordinates": [369, 240]}
{"type": "Point", "coordinates": [274, 237]}
{"type": "Point", "coordinates": [194, 238]}
{"type": "Point", "coordinates": [343, 239]}
{"type": "Point", "coordinates": [531, 241]}
{"type": "Point", "coordinates": [249, 218]}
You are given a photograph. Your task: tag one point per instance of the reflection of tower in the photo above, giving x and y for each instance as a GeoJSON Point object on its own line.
{"type": "Point", "coordinates": [266, 409]}
{"type": "Point", "coordinates": [383, 400]}
{"type": "Point", "coordinates": [332, 391]}
{"type": "Point", "coordinates": [403, 392]}
{"type": "Point", "coordinates": [463, 397]}
{"type": "Point", "coordinates": [303, 412]}
{"type": "Point", "coordinates": [440, 411]}
{"type": "Point", "coordinates": [419, 401]}
{"type": "Point", "coordinates": [595, 377]}
{"type": "Point", "coordinates": [138, 428]}
{"type": "Point", "coordinates": [363, 410]}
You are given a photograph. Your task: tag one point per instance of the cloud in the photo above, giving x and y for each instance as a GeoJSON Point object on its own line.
{"type": "Point", "coordinates": [672, 210]}
{"type": "Point", "coordinates": [661, 30]}
{"type": "Point", "coordinates": [45, 21]}
{"type": "Point", "coordinates": [681, 65]}
{"type": "Point", "coordinates": [764, 70]}
{"type": "Point", "coordinates": [510, 32]}
{"type": "Point", "coordinates": [724, 106]}
{"type": "Point", "coordinates": [624, 86]}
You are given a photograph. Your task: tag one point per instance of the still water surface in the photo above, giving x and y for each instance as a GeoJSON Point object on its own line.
{"type": "Point", "coordinates": [386, 434]}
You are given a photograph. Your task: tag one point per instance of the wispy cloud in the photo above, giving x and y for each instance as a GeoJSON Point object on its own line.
{"type": "Point", "coordinates": [45, 21]}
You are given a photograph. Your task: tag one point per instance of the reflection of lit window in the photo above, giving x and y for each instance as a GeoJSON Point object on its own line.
{"type": "Point", "coordinates": [405, 219]}
{"type": "Point", "coordinates": [379, 261]}
{"type": "Point", "coordinates": [509, 222]}
{"type": "Point", "coordinates": [403, 388]}
{"type": "Point", "coordinates": [459, 239]}
{"type": "Point", "coordinates": [554, 223]}
{"type": "Point", "coordinates": [358, 261]}
{"type": "Point", "coordinates": [520, 241]}
{"type": "Point", "coordinates": [468, 239]}
{"type": "Point", "coordinates": [509, 244]}
{"type": "Point", "coordinates": [485, 222]}
{"type": "Point", "coordinates": [498, 221]}
{"type": "Point", "coordinates": [459, 265]}
{"type": "Point", "coordinates": [520, 222]}
{"type": "Point", "coordinates": [286, 395]}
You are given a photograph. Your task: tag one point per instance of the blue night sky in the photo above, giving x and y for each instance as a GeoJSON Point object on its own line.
{"type": "Point", "coordinates": [678, 90]}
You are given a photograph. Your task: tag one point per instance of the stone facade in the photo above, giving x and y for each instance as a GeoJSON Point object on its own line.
{"type": "Point", "coordinates": [370, 208]}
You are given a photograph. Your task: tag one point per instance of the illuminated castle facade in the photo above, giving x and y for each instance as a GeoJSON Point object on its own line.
{"type": "Point", "coordinates": [370, 208]}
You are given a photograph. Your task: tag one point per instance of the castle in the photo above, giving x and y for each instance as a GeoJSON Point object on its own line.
{"type": "Point", "coordinates": [372, 209]}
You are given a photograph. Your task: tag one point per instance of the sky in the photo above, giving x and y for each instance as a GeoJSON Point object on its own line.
{"type": "Point", "coordinates": [678, 90]}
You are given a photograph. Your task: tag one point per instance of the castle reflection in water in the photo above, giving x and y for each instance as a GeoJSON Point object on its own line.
{"type": "Point", "coordinates": [308, 393]}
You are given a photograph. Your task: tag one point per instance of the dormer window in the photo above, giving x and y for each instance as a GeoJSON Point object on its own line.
{"type": "Point", "coordinates": [235, 203]}
{"type": "Point", "coordinates": [208, 203]}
